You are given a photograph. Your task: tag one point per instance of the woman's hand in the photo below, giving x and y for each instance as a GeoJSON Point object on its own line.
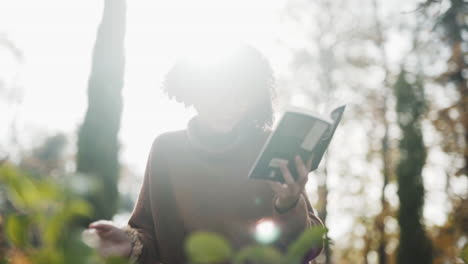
{"type": "Point", "coordinates": [113, 241]}
{"type": "Point", "coordinates": [287, 194]}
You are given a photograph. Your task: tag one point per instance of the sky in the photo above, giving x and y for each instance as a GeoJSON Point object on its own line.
{"type": "Point", "coordinates": [57, 37]}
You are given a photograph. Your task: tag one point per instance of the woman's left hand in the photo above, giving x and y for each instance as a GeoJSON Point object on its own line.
{"type": "Point", "coordinates": [288, 193]}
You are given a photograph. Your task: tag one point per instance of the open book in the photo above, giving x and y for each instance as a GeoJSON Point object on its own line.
{"type": "Point", "coordinates": [298, 133]}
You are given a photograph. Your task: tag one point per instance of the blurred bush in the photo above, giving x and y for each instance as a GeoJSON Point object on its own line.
{"type": "Point", "coordinates": [210, 248]}
{"type": "Point", "coordinates": [37, 214]}
{"type": "Point", "coordinates": [37, 221]}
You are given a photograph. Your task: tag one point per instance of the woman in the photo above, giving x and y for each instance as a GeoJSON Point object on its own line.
{"type": "Point", "coordinates": [196, 178]}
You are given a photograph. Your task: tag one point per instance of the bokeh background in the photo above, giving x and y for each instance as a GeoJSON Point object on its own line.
{"type": "Point", "coordinates": [80, 102]}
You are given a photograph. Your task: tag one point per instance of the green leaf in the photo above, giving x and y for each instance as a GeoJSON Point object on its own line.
{"type": "Point", "coordinates": [22, 191]}
{"type": "Point", "coordinates": [207, 248]}
{"type": "Point", "coordinates": [259, 255]}
{"type": "Point", "coordinates": [78, 208]}
{"type": "Point", "coordinates": [464, 254]}
{"type": "Point", "coordinates": [52, 229]}
{"type": "Point", "coordinates": [17, 227]}
{"type": "Point", "coordinates": [116, 260]}
{"type": "Point", "coordinates": [309, 239]}
{"type": "Point", "coordinates": [48, 190]}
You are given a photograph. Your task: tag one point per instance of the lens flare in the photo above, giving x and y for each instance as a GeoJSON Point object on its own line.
{"type": "Point", "coordinates": [266, 231]}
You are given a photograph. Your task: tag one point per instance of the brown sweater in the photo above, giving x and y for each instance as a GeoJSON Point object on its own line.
{"type": "Point", "coordinates": [197, 181]}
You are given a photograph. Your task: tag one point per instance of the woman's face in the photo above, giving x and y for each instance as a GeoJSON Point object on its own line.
{"type": "Point", "coordinates": [222, 113]}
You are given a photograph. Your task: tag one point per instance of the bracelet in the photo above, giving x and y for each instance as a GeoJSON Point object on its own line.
{"type": "Point", "coordinates": [136, 243]}
{"type": "Point", "coordinates": [287, 209]}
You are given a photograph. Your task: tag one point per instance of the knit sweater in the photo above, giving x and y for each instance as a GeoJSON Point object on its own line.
{"type": "Point", "coordinates": [196, 180]}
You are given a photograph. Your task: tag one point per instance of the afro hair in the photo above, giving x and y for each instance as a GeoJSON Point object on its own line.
{"type": "Point", "coordinates": [241, 71]}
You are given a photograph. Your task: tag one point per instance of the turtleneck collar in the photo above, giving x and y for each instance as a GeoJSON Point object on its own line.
{"type": "Point", "coordinates": [202, 138]}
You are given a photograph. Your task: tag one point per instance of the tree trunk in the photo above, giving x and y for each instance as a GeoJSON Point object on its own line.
{"type": "Point", "coordinates": [98, 144]}
{"type": "Point", "coordinates": [414, 246]}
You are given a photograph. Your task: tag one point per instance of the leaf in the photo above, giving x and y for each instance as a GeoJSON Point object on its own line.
{"type": "Point", "coordinates": [207, 248]}
{"type": "Point", "coordinates": [116, 260]}
{"type": "Point", "coordinates": [259, 255]}
{"type": "Point", "coordinates": [309, 240]}
{"type": "Point", "coordinates": [464, 254]}
{"type": "Point", "coordinates": [78, 208]}
{"type": "Point", "coordinates": [22, 191]}
{"type": "Point", "coordinates": [17, 227]}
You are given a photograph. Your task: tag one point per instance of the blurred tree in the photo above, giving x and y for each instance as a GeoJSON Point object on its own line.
{"type": "Point", "coordinates": [445, 238]}
{"type": "Point", "coordinates": [11, 94]}
{"type": "Point", "coordinates": [98, 144]}
{"type": "Point", "coordinates": [414, 246]}
{"type": "Point", "coordinates": [453, 27]}
{"type": "Point", "coordinates": [357, 47]}
{"type": "Point", "coordinates": [46, 159]}
{"type": "Point", "coordinates": [344, 54]}
{"type": "Point", "coordinates": [450, 21]}
{"type": "Point", "coordinates": [387, 167]}
{"type": "Point", "coordinates": [315, 64]}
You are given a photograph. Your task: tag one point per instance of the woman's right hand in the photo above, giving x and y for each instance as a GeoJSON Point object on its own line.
{"type": "Point", "coordinates": [113, 241]}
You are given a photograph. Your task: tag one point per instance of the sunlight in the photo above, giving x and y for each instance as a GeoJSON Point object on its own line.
{"type": "Point", "coordinates": [322, 53]}
{"type": "Point", "coordinates": [208, 52]}
{"type": "Point", "coordinates": [177, 26]}
{"type": "Point", "coordinates": [161, 31]}
{"type": "Point", "coordinates": [266, 231]}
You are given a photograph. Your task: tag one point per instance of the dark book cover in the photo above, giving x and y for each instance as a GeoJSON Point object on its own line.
{"type": "Point", "coordinates": [297, 133]}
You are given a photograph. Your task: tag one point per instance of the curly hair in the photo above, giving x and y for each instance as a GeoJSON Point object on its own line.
{"type": "Point", "coordinates": [243, 71]}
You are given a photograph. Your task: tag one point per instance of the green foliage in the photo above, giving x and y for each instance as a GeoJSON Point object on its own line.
{"type": "Point", "coordinates": [464, 254]}
{"type": "Point", "coordinates": [16, 230]}
{"type": "Point", "coordinates": [259, 255]}
{"type": "Point", "coordinates": [39, 228]}
{"type": "Point", "coordinates": [116, 260]}
{"type": "Point", "coordinates": [52, 148]}
{"type": "Point", "coordinates": [210, 248]}
{"type": "Point", "coordinates": [207, 247]}
{"type": "Point", "coordinates": [310, 238]}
